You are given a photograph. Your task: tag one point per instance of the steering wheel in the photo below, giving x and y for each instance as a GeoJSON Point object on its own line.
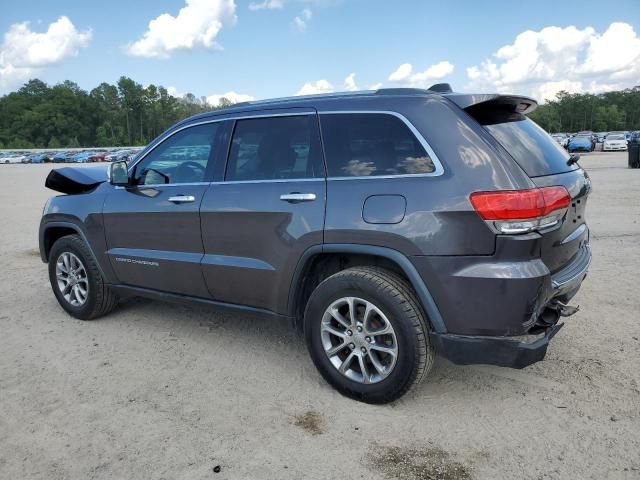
{"type": "Point", "coordinates": [189, 171]}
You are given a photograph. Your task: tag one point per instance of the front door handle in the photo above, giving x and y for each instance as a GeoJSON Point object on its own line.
{"type": "Point", "coordinates": [298, 197]}
{"type": "Point", "coordinates": [182, 199]}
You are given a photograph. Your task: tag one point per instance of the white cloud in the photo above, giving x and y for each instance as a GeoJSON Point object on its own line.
{"type": "Point", "coordinates": [350, 83]}
{"type": "Point", "coordinates": [404, 74]}
{"type": "Point", "coordinates": [300, 22]}
{"type": "Point", "coordinates": [311, 88]}
{"type": "Point", "coordinates": [233, 97]}
{"type": "Point", "coordinates": [24, 51]}
{"type": "Point", "coordinates": [266, 4]}
{"type": "Point", "coordinates": [375, 86]}
{"type": "Point", "coordinates": [544, 62]}
{"type": "Point", "coordinates": [196, 25]}
{"type": "Point", "coordinates": [173, 91]}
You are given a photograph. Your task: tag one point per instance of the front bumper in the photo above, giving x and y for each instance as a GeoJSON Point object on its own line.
{"type": "Point", "coordinates": [499, 351]}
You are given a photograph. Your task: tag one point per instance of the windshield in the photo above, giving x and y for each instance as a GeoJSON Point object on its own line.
{"type": "Point", "coordinates": [616, 137]}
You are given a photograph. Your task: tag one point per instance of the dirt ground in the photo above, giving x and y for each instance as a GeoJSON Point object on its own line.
{"type": "Point", "coordinates": [162, 391]}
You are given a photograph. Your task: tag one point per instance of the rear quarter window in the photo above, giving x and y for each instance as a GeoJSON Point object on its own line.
{"type": "Point", "coordinates": [371, 144]}
{"type": "Point", "coordinates": [529, 145]}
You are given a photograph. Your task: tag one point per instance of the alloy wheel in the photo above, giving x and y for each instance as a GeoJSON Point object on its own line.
{"type": "Point", "coordinates": [359, 340]}
{"type": "Point", "coordinates": [72, 279]}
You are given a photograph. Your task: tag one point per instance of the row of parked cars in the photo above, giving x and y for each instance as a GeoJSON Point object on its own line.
{"type": "Point", "coordinates": [72, 156]}
{"type": "Point", "coordinates": [586, 141]}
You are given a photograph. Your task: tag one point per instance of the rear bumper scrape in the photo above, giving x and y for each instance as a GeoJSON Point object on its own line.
{"type": "Point", "coordinates": [499, 351]}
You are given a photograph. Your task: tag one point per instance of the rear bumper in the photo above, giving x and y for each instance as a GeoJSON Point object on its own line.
{"type": "Point", "coordinates": [567, 281]}
{"type": "Point", "coordinates": [501, 295]}
{"type": "Point", "coordinates": [502, 352]}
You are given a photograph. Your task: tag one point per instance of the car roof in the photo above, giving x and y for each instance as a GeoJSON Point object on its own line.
{"type": "Point", "coordinates": [463, 100]}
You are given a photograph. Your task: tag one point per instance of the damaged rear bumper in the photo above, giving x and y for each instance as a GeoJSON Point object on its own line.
{"type": "Point", "coordinates": [500, 351]}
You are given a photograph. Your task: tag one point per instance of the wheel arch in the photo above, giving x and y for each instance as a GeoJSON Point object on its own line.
{"type": "Point", "coordinates": [321, 261]}
{"type": "Point", "coordinates": [50, 232]}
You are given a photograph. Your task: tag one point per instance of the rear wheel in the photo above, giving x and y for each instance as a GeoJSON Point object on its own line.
{"type": "Point", "coordinates": [76, 280]}
{"type": "Point", "coordinates": [367, 335]}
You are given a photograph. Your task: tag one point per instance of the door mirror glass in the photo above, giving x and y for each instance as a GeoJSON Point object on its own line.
{"type": "Point", "coordinates": [118, 173]}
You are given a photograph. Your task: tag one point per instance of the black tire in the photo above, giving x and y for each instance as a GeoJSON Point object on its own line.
{"type": "Point", "coordinates": [397, 300]}
{"type": "Point", "coordinates": [100, 298]}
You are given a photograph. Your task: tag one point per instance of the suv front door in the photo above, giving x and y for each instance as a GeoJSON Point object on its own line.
{"type": "Point", "coordinates": [153, 226]}
{"type": "Point", "coordinates": [268, 210]}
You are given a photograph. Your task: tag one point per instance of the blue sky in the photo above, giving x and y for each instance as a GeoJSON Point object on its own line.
{"type": "Point", "coordinates": [236, 46]}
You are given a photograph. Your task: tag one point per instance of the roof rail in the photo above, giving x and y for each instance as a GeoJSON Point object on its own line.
{"type": "Point", "coordinates": [305, 97]}
{"type": "Point", "coordinates": [438, 88]}
{"type": "Point", "coordinates": [401, 91]}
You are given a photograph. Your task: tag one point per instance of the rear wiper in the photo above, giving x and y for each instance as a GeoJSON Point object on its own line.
{"type": "Point", "coordinates": [573, 159]}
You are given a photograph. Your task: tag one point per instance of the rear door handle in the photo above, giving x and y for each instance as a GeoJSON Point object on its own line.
{"type": "Point", "coordinates": [182, 199]}
{"type": "Point", "coordinates": [298, 197]}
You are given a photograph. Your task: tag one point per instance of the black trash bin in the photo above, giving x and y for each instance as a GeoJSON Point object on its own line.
{"type": "Point", "coordinates": [634, 151]}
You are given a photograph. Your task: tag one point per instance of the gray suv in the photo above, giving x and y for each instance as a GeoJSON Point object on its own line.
{"type": "Point", "coordinates": [387, 226]}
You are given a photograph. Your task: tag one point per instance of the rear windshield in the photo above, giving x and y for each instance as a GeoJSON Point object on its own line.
{"type": "Point", "coordinates": [529, 145]}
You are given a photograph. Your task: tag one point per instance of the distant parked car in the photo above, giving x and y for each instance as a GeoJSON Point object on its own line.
{"type": "Point", "coordinates": [561, 138]}
{"type": "Point", "coordinates": [97, 156]}
{"type": "Point", "coordinates": [119, 155]}
{"type": "Point", "coordinates": [14, 159]}
{"type": "Point", "coordinates": [594, 137]}
{"type": "Point", "coordinates": [615, 142]}
{"type": "Point", "coordinates": [59, 157]}
{"type": "Point", "coordinates": [41, 158]}
{"type": "Point", "coordinates": [80, 157]}
{"type": "Point", "coordinates": [581, 143]}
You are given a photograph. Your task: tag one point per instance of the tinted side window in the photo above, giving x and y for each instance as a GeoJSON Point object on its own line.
{"type": "Point", "coordinates": [371, 144]}
{"type": "Point", "coordinates": [275, 148]}
{"type": "Point", "coordinates": [182, 158]}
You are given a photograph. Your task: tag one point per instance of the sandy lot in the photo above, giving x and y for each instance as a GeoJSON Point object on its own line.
{"type": "Point", "coordinates": [170, 392]}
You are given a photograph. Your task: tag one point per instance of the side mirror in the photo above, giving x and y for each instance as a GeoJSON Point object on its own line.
{"type": "Point", "coordinates": [118, 173]}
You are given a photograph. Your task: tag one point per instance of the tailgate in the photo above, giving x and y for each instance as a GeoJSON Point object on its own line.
{"type": "Point", "coordinates": [547, 164]}
{"type": "Point", "coordinates": [561, 244]}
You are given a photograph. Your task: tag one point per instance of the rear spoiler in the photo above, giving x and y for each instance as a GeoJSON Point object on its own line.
{"type": "Point", "coordinates": [514, 103]}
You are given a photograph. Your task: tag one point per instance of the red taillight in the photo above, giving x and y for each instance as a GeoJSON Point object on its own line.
{"type": "Point", "coordinates": [520, 204]}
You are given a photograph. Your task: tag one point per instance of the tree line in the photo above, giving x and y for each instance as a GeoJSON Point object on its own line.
{"type": "Point", "coordinates": [605, 112]}
{"type": "Point", "coordinates": [64, 115]}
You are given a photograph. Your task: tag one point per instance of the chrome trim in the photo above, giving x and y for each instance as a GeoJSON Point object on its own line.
{"type": "Point", "coordinates": [439, 169]}
{"type": "Point", "coordinates": [182, 199]}
{"type": "Point", "coordinates": [298, 197]}
{"type": "Point", "coordinates": [156, 185]}
{"type": "Point", "coordinates": [215, 120]}
{"type": "Point", "coordinates": [274, 180]}
{"type": "Point", "coordinates": [574, 270]}
{"type": "Point", "coordinates": [575, 234]}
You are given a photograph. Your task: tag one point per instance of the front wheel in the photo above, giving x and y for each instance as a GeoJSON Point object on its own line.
{"type": "Point", "coordinates": [76, 280]}
{"type": "Point", "coordinates": [367, 335]}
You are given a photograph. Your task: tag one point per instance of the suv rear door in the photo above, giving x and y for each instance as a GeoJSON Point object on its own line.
{"type": "Point", "coordinates": [267, 211]}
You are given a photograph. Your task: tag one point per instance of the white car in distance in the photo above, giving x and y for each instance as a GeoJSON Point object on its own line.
{"type": "Point", "coordinates": [614, 142]}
